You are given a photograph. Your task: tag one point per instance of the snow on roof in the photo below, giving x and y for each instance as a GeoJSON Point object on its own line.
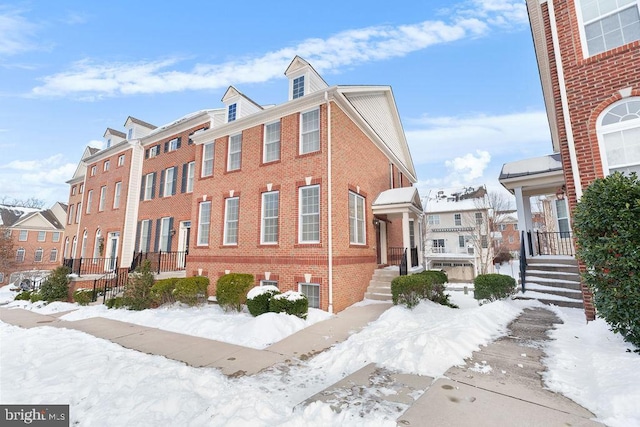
{"type": "Point", "coordinates": [455, 199]}
{"type": "Point", "coordinates": [395, 196]}
{"type": "Point", "coordinates": [180, 120]}
{"type": "Point", "coordinates": [9, 215]}
{"type": "Point", "coordinates": [536, 165]}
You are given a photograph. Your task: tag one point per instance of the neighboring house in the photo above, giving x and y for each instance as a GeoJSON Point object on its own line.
{"type": "Point", "coordinates": [36, 237]}
{"type": "Point", "coordinates": [506, 237]}
{"type": "Point", "coordinates": [588, 55]}
{"type": "Point", "coordinates": [311, 195]}
{"type": "Point", "coordinates": [459, 235]}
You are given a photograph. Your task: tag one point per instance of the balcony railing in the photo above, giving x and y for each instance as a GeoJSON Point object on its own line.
{"type": "Point", "coordinates": [84, 266]}
{"type": "Point", "coordinates": [554, 243]}
{"type": "Point", "coordinates": [161, 261]}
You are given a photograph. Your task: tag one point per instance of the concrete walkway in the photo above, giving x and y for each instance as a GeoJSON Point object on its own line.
{"type": "Point", "coordinates": [499, 386]}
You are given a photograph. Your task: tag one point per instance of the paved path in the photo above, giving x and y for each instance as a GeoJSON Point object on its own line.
{"type": "Point", "coordinates": [499, 386]}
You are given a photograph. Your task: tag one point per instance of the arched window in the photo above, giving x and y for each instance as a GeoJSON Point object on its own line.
{"type": "Point", "coordinates": [619, 137]}
{"type": "Point", "coordinates": [74, 246]}
{"type": "Point", "coordinates": [37, 257]}
{"type": "Point", "coordinates": [66, 247]}
{"type": "Point", "coordinates": [20, 255]}
{"type": "Point", "coordinates": [83, 251]}
{"type": "Point", "coordinates": [96, 245]}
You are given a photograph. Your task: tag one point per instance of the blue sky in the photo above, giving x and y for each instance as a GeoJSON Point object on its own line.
{"type": "Point", "coordinates": [463, 75]}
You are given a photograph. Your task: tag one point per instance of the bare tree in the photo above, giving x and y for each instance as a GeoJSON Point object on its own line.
{"type": "Point", "coordinates": [491, 209]}
{"type": "Point", "coordinates": [31, 202]}
{"type": "Point", "coordinates": [7, 254]}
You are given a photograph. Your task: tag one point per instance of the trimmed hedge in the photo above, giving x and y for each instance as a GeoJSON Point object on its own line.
{"type": "Point", "coordinates": [259, 297]}
{"type": "Point", "coordinates": [162, 291]}
{"type": "Point", "coordinates": [493, 287]}
{"type": "Point", "coordinates": [290, 302]}
{"type": "Point", "coordinates": [56, 286]}
{"type": "Point", "coordinates": [427, 285]}
{"type": "Point", "coordinates": [83, 296]}
{"type": "Point", "coordinates": [231, 290]}
{"type": "Point", "coordinates": [192, 290]}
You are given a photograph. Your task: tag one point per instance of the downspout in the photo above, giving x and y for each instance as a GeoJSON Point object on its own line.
{"type": "Point", "coordinates": [329, 206]}
{"type": "Point", "coordinates": [565, 103]}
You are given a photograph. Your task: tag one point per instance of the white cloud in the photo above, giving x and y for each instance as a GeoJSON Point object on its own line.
{"type": "Point", "coordinates": [16, 32]}
{"type": "Point", "coordinates": [89, 79]}
{"type": "Point", "coordinates": [96, 143]}
{"type": "Point", "coordinates": [499, 134]}
{"type": "Point", "coordinates": [470, 166]}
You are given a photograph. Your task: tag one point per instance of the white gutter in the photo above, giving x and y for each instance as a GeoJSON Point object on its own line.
{"type": "Point", "coordinates": [565, 103]}
{"type": "Point", "coordinates": [329, 206]}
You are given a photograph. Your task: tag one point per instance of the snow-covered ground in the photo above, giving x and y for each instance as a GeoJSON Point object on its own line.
{"type": "Point", "coordinates": [106, 384]}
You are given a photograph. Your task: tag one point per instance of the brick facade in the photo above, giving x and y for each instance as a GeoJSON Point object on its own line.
{"type": "Point", "coordinates": [592, 85]}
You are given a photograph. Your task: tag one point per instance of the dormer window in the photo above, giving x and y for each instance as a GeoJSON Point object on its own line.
{"type": "Point", "coordinates": [231, 115]}
{"type": "Point", "coordinates": [108, 142]}
{"type": "Point", "coordinates": [129, 134]}
{"type": "Point", "coordinates": [298, 87]}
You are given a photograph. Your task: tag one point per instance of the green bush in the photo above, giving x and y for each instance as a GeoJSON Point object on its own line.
{"type": "Point", "coordinates": [437, 276]}
{"type": "Point", "coordinates": [290, 302]}
{"type": "Point", "coordinates": [492, 287]}
{"type": "Point", "coordinates": [162, 291]}
{"type": "Point", "coordinates": [192, 290]}
{"type": "Point", "coordinates": [35, 296]}
{"type": "Point", "coordinates": [117, 302]}
{"type": "Point", "coordinates": [23, 296]}
{"type": "Point", "coordinates": [137, 294]}
{"type": "Point", "coordinates": [83, 296]}
{"type": "Point", "coordinates": [259, 297]}
{"type": "Point", "coordinates": [608, 237]}
{"type": "Point", "coordinates": [56, 286]}
{"type": "Point", "coordinates": [231, 290]}
{"type": "Point", "coordinates": [410, 290]}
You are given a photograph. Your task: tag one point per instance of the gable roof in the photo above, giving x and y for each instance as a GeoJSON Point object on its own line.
{"type": "Point", "coordinates": [233, 92]}
{"type": "Point", "coordinates": [115, 133]}
{"type": "Point", "coordinates": [139, 122]}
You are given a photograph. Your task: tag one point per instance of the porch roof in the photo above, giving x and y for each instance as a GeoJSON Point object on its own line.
{"type": "Point", "coordinates": [536, 176]}
{"type": "Point", "coordinates": [397, 200]}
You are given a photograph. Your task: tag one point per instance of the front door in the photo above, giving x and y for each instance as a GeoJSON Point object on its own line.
{"type": "Point", "coordinates": [183, 243]}
{"type": "Point", "coordinates": [112, 251]}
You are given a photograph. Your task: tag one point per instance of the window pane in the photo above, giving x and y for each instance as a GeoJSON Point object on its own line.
{"type": "Point", "coordinates": [310, 214]}
{"type": "Point", "coordinates": [310, 131]}
{"type": "Point", "coordinates": [231, 222]}
{"type": "Point", "coordinates": [204, 221]}
{"type": "Point", "coordinates": [235, 152]}
{"type": "Point", "coordinates": [207, 160]}
{"type": "Point", "coordinates": [312, 292]}
{"type": "Point", "coordinates": [272, 142]}
{"type": "Point", "coordinates": [270, 213]}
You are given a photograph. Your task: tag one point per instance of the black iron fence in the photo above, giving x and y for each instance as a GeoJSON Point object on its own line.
{"type": "Point", "coordinates": [161, 261]}
{"type": "Point", "coordinates": [84, 266]}
{"type": "Point", "coordinates": [554, 243]}
{"type": "Point", "coordinates": [398, 256]}
{"type": "Point", "coordinates": [110, 285]}
{"type": "Point", "coordinates": [523, 258]}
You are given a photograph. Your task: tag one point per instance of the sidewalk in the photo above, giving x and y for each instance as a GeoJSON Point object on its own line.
{"type": "Point", "coordinates": [500, 385]}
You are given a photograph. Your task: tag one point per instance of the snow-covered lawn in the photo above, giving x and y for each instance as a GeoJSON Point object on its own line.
{"type": "Point", "coordinates": [106, 384]}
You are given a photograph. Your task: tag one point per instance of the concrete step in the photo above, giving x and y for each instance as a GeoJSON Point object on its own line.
{"type": "Point", "coordinates": [543, 281]}
{"type": "Point", "coordinates": [568, 293]}
{"type": "Point", "coordinates": [378, 296]}
{"type": "Point", "coordinates": [561, 275]}
{"type": "Point", "coordinates": [554, 268]}
{"type": "Point", "coordinates": [550, 299]}
{"type": "Point", "coordinates": [553, 260]}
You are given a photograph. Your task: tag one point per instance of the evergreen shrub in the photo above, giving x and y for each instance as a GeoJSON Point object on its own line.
{"type": "Point", "coordinates": [192, 290]}
{"type": "Point", "coordinates": [231, 290]}
{"type": "Point", "coordinates": [290, 302]}
{"type": "Point", "coordinates": [56, 286]}
{"type": "Point", "coordinates": [493, 287]}
{"type": "Point", "coordinates": [259, 297]}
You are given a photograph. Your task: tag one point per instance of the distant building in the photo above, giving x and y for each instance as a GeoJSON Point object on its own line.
{"type": "Point", "coordinates": [458, 232]}
{"type": "Point", "coordinates": [36, 237]}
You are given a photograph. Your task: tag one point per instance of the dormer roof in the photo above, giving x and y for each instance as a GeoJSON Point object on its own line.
{"type": "Point", "coordinates": [113, 132]}
{"type": "Point", "coordinates": [132, 120]}
{"type": "Point", "coordinates": [313, 82]}
{"type": "Point", "coordinates": [244, 105]}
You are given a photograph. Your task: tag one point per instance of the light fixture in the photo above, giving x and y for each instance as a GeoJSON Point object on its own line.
{"type": "Point", "coordinates": [561, 192]}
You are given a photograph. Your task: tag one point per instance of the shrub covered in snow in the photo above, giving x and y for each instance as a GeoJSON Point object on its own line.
{"type": "Point", "coordinates": [427, 285]}
{"type": "Point", "coordinates": [162, 291]}
{"type": "Point", "coordinates": [259, 297]}
{"type": "Point", "coordinates": [56, 286]}
{"type": "Point", "coordinates": [231, 290]}
{"type": "Point", "coordinates": [492, 287]}
{"type": "Point", "coordinates": [290, 302]}
{"type": "Point", "coordinates": [608, 237]}
{"type": "Point", "coordinates": [191, 290]}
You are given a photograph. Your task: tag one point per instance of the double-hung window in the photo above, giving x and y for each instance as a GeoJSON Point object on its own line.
{"type": "Point", "coordinates": [231, 221]}
{"type": "Point", "coordinates": [53, 255]}
{"type": "Point", "coordinates": [312, 292]}
{"type": "Point", "coordinates": [204, 222]}
{"type": "Point", "coordinates": [310, 132]}
{"type": "Point", "coordinates": [207, 160]}
{"type": "Point", "coordinates": [20, 255]}
{"type": "Point", "coordinates": [149, 183]}
{"type": "Point", "coordinates": [356, 219]}
{"type": "Point", "coordinates": [235, 152]}
{"type": "Point", "coordinates": [103, 197]}
{"type": "Point", "coordinates": [165, 234]}
{"type": "Point", "coordinates": [309, 209]}
{"type": "Point", "coordinates": [168, 182]}
{"type": "Point", "coordinates": [116, 195]}
{"type": "Point", "coordinates": [106, 165]}
{"type": "Point", "coordinates": [70, 215]}
{"type": "Point", "coordinates": [145, 236]}
{"type": "Point", "coordinates": [24, 235]}
{"type": "Point", "coordinates": [433, 219]}
{"type": "Point", "coordinates": [231, 112]}
{"type": "Point", "coordinates": [37, 257]}
{"type": "Point", "coordinates": [42, 236]}
{"type": "Point", "coordinates": [608, 24]}
{"type": "Point", "coordinates": [121, 160]}
{"type": "Point", "coordinates": [78, 212]}
{"type": "Point", "coordinates": [272, 142]}
{"type": "Point", "coordinates": [457, 219]}
{"type": "Point", "coordinates": [189, 176]}
{"type": "Point", "coordinates": [270, 214]}
{"type": "Point", "coordinates": [89, 199]}
{"type": "Point", "coordinates": [298, 87]}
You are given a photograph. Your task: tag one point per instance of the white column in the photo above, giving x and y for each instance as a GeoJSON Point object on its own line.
{"type": "Point", "coordinates": [406, 239]}
{"type": "Point", "coordinates": [525, 221]}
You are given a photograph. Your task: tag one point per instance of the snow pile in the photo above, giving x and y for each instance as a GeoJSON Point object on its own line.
{"type": "Point", "coordinates": [591, 365]}
{"type": "Point", "coordinates": [290, 296]}
{"type": "Point", "coordinates": [260, 290]}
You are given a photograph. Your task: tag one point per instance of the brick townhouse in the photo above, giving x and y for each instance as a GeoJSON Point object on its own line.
{"type": "Point", "coordinates": [35, 237]}
{"type": "Point", "coordinates": [588, 54]}
{"type": "Point", "coordinates": [311, 195]}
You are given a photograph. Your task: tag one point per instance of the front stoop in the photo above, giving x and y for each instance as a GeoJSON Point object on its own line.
{"type": "Point", "coordinates": [553, 281]}
{"type": "Point", "coordinates": [380, 284]}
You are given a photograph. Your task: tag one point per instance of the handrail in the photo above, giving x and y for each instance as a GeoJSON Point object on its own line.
{"type": "Point", "coordinates": [555, 243]}
{"type": "Point", "coordinates": [523, 261]}
{"type": "Point", "coordinates": [403, 264]}
{"type": "Point", "coordinates": [161, 261]}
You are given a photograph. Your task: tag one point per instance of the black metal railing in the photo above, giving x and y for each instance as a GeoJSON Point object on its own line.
{"type": "Point", "coordinates": [161, 261]}
{"type": "Point", "coordinates": [84, 266]}
{"type": "Point", "coordinates": [110, 285]}
{"type": "Point", "coordinates": [394, 256]}
{"type": "Point", "coordinates": [414, 257]}
{"type": "Point", "coordinates": [554, 243]}
{"type": "Point", "coordinates": [403, 264]}
{"type": "Point", "coordinates": [523, 260]}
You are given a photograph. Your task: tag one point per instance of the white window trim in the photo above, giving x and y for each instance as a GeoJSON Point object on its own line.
{"type": "Point", "coordinates": [116, 195]}
{"type": "Point", "coordinates": [314, 285]}
{"type": "Point", "coordinates": [148, 186]}
{"type": "Point", "coordinates": [300, 190]}
{"type": "Point", "coordinates": [26, 236]}
{"type": "Point", "coordinates": [358, 197]}
{"type": "Point", "coordinates": [581, 25]}
{"type": "Point", "coordinates": [145, 238]}
{"type": "Point", "coordinates": [601, 130]}
{"type": "Point", "coordinates": [264, 143]}
{"type": "Point", "coordinates": [191, 176]}
{"type": "Point", "coordinates": [169, 184]}
{"type": "Point", "coordinates": [265, 282]}
{"type": "Point", "coordinates": [165, 234]}
{"type": "Point", "coordinates": [44, 234]}
{"type": "Point", "coordinates": [205, 159]}
{"type": "Point", "coordinates": [121, 160]}
{"type": "Point", "coordinates": [225, 240]}
{"type": "Point", "coordinates": [201, 237]}
{"type": "Point", "coordinates": [263, 218]}
{"type": "Point", "coordinates": [35, 255]}
{"type": "Point", "coordinates": [302, 113]}
{"type": "Point", "coordinates": [103, 198]}
{"type": "Point", "coordinates": [230, 153]}
{"type": "Point", "coordinates": [89, 200]}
